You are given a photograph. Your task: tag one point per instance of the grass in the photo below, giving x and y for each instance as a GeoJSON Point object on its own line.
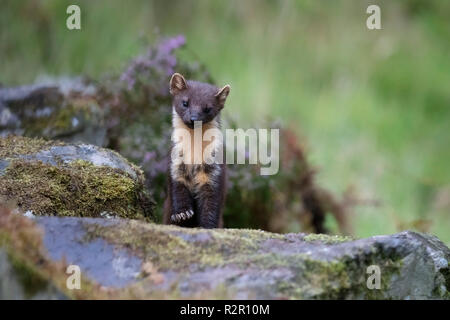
{"type": "Point", "coordinates": [372, 106]}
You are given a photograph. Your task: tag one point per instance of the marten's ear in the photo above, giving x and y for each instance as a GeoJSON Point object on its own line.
{"type": "Point", "coordinates": [177, 83]}
{"type": "Point", "coordinates": [223, 94]}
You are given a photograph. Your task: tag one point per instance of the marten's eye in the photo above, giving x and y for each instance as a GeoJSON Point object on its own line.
{"type": "Point", "coordinates": [206, 109]}
{"type": "Point", "coordinates": [185, 103]}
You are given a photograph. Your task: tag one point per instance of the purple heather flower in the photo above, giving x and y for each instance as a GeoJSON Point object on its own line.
{"type": "Point", "coordinates": [159, 60]}
{"type": "Point", "coordinates": [149, 156]}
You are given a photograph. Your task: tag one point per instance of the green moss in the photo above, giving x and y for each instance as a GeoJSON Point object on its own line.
{"type": "Point", "coordinates": [313, 278]}
{"type": "Point", "coordinates": [16, 145]}
{"type": "Point", "coordinates": [75, 189]}
{"type": "Point", "coordinates": [165, 250]}
{"type": "Point", "coordinates": [60, 120]}
{"type": "Point", "coordinates": [328, 239]}
{"type": "Point", "coordinates": [168, 249]}
{"type": "Point", "coordinates": [32, 280]}
{"type": "Point", "coordinates": [265, 261]}
{"type": "Point", "coordinates": [340, 279]}
{"type": "Point", "coordinates": [307, 277]}
{"type": "Point", "coordinates": [250, 235]}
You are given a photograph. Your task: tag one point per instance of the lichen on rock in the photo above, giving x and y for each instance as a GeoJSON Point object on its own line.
{"type": "Point", "coordinates": [325, 238]}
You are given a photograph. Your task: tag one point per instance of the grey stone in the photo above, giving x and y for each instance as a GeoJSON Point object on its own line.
{"type": "Point", "coordinates": [250, 264]}
{"type": "Point", "coordinates": [63, 109]}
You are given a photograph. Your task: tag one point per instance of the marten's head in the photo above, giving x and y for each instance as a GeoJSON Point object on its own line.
{"type": "Point", "coordinates": [196, 101]}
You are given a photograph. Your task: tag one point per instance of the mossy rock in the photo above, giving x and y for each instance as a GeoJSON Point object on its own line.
{"type": "Point", "coordinates": [65, 109]}
{"type": "Point", "coordinates": [20, 281]}
{"type": "Point", "coordinates": [135, 259]}
{"type": "Point", "coordinates": [55, 178]}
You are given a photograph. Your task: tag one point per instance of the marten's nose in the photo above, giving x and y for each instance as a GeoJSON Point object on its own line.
{"type": "Point", "coordinates": [194, 118]}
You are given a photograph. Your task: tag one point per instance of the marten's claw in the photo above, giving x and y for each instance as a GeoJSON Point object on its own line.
{"type": "Point", "coordinates": [182, 216]}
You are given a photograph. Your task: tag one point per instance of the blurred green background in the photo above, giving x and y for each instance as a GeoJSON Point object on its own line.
{"type": "Point", "coordinates": [372, 106]}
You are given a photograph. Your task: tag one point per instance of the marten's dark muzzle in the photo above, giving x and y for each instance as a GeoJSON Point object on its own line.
{"type": "Point", "coordinates": [194, 118]}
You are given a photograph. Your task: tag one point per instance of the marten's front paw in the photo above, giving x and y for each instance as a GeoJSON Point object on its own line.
{"type": "Point", "coordinates": [184, 215]}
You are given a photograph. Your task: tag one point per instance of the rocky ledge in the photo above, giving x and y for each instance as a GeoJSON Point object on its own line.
{"type": "Point", "coordinates": [126, 259]}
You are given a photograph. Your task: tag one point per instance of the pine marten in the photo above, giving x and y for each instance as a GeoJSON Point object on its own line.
{"type": "Point", "coordinates": [196, 188]}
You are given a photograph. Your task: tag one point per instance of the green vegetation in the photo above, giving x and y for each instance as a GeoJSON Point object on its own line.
{"type": "Point", "coordinates": [372, 106]}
